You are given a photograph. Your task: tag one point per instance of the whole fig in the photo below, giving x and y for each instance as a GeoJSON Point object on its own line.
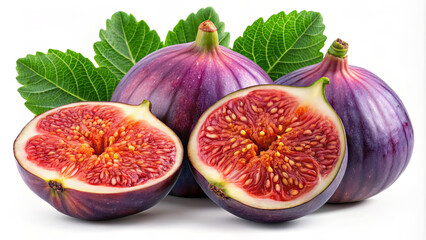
{"type": "Point", "coordinates": [379, 131]}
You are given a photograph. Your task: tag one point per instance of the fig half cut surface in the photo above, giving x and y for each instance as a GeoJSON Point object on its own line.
{"type": "Point", "coordinates": [99, 160]}
{"type": "Point", "coordinates": [270, 153]}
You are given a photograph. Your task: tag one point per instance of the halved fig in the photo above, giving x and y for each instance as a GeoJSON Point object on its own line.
{"type": "Point", "coordinates": [99, 160]}
{"type": "Point", "coordinates": [269, 153]}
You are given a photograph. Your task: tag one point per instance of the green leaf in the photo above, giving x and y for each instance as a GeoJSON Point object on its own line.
{"type": "Point", "coordinates": [56, 78]}
{"type": "Point", "coordinates": [186, 30]}
{"type": "Point", "coordinates": [124, 42]}
{"type": "Point", "coordinates": [283, 43]}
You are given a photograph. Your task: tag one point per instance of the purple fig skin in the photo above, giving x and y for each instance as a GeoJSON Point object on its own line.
{"type": "Point", "coordinates": [379, 132]}
{"type": "Point", "coordinates": [98, 206]}
{"type": "Point", "coordinates": [182, 81]}
{"type": "Point", "coordinates": [276, 215]}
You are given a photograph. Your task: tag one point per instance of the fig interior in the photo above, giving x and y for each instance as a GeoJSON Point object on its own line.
{"type": "Point", "coordinates": [98, 145]}
{"type": "Point", "coordinates": [269, 144]}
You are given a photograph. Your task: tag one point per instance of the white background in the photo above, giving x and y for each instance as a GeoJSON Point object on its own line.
{"type": "Point", "coordinates": [386, 37]}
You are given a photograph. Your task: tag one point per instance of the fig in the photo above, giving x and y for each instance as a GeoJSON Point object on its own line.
{"type": "Point", "coordinates": [99, 160]}
{"type": "Point", "coordinates": [182, 81]}
{"type": "Point", "coordinates": [269, 153]}
{"type": "Point", "coordinates": [378, 128]}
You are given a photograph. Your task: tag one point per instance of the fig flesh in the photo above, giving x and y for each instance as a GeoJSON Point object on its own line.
{"type": "Point", "coordinates": [269, 153]}
{"type": "Point", "coordinates": [182, 81]}
{"type": "Point", "coordinates": [99, 160]}
{"type": "Point", "coordinates": [379, 131]}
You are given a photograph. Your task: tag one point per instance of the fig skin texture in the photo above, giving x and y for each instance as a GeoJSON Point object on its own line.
{"type": "Point", "coordinates": [252, 199]}
{"type": "Point", "coordinates": [97, 206]}
{"type": "Point", "coordinates": [275, 215]}
{"type": "Point", "coordinates": [378, 128]}
{"type": "Point", "coordinates": [98, 202]}
{"type": "Point", "coordinates": [182, 81]}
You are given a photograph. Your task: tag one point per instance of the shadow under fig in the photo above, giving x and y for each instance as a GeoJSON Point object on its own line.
{"type": "Point", "coordinates": [174, 209]}
{"type": "Point", "coordinates": [331, 207]}
{"type": "Point", "coordinates": [223, 219]}
{"type": "Point", "coordinates": [237, 223]}
{"type": "Point", "coordinates": [202, 202]}
{"type": "Point", "coordinates": [168, 210]}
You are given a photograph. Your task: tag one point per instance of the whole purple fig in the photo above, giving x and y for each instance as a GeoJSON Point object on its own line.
{"type": "Point", "coordinates": [379, 132]}
{"type": "Point", "coordinates": [182, 81]}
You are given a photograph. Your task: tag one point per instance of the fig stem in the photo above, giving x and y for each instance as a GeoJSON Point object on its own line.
{"type": "Point", "coordinates": [338, 48]}
{"type": "Point", "coordinates": [146, 104]}
{"type": "Point", "coordinates": [207, 37]}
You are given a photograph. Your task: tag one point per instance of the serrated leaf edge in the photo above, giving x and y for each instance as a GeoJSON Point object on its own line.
{"type": "Point", "coordinates": [291, 47]}
{"type": "Point", "coordinates": [53, 83]}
